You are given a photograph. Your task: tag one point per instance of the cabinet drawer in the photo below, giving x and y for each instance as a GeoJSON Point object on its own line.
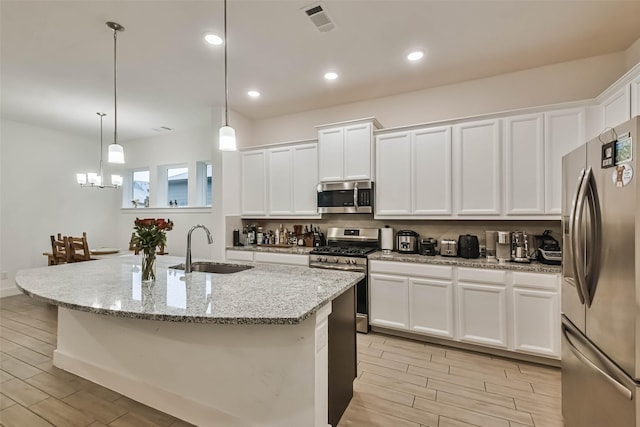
{"type": "Point", "coordinates": [481, 275]}
{"type": "Point", "coordinates": [412, 269]}
{"type": "Point", "coordinates": [536, 280]}
{"type": "Point", "coordinates": [277, 258]}
{"type": "Point", "coordinates": [239, 255]}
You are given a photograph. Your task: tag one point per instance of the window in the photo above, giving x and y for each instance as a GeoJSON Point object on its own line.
{"type": "Point", "coordinates": [140, 188]}
{"type": "Point", "coordinates": [178, 186]}
{"type": "Point", "coordinates": [204, 181]}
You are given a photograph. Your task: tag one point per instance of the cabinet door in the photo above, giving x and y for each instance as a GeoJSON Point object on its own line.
{"type": "Point", "coordinates": [563, 131]}
{"type": "Point", "coordinates": [478, 165]}
{"type": "Point", "coordinates": [524, 165]}
{"type": "Point", "coordinates": [389, 301]}
{"type": "Point", "coordinates": [536, 322]}
{"type": "Point", "coordinates": [635, 97]}
{"type": "Point", "coordinates": [431, 167]}
{"type": "Point", "coordinates": [431, 307]}
{"type": "Point", "coordinates": [617, 108]}
{"type": "Point", "coordinates": [482, 314]}
{"type": "Point", "coordinates": [305, 179]}
{"type": "Point", "coordinates": [331, 154]}
{"type": "Point", "coordinates": [279, 182]}
{"type": "Point", "coordinates": [254, 183]}
{"type": "Point", "coordinates": [357, 151]}
{"type": "Point", "coordinates": [393, 185]}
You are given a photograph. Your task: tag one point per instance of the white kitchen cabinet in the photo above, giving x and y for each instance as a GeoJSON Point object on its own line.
{"type": "Point", "coordinates": [280, 181]}
{"type": "Point", "coordinates": [281, 258]}
{"type": "Point", "coordinates": [345, 151]}
{"type": "Point", "coordinates": [393, 171]}
{"type": "Point", "coordinates": [253, 187]}
{"type": "Point", "coordinates": [389, 301]}
{"type": "Point", "coordinates": [233, 255]}
{"type": "Point", "coordinates": [536, 314]}
{"type": "Point", "coordinates": [482, 313]}
{"type": "Point", "coordinates": [617, 107]}
{"type": "Point", "coordinates": [564, 130]}
{"type": "Point", "coordinates": [635, 96]}
{"type": "Point", "coordinates": [431, 307]}
{"type": "Point", "coordinates": [305, 179]}
{"type": "Point", "coordinates": [524, 165]}
{"type": "Point", "coordinates": [413, 171]}
{"type": "Point", "coordinates": [477, 168]}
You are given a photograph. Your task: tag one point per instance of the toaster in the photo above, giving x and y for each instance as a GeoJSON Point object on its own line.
{"type": "Point", "coordinates": [448, 247]}
{"type": "Point", "coordinates": [429, 246]}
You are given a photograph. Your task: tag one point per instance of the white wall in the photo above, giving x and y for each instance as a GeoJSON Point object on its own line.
{"type": "Point", "coordinates": [633, 55]}
{"type": "Point", "coordinates": [39, 196]}
{"type": "Point", "coordinates": [564, 82]}
{"type": "Point", "coordinates": [177, 147]}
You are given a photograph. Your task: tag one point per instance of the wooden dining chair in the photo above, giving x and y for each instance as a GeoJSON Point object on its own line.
{"type": "Point", "coordinates": [78, 248]}
{"type": "Point", "coordinates": [59, 250]}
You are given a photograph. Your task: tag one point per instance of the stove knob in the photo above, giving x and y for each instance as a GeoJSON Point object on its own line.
{"type": "Point", "coordinates": [323, 259]}
{"type": "Point", "coordinates": [336, 259]}
{"type": "Point", "coordinates": [354, 262]}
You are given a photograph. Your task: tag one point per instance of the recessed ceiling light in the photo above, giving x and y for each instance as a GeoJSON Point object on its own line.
{"type": "Point", "coordinates": [330, 75]}
{"type": "Point", "coordinates": [415, 55]}
{"type": "Point", "coordinates": [213, 39]}
{"type": "Point", "coordinates": [253, 93]}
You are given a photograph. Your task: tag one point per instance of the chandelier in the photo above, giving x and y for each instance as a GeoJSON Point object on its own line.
{"type": "Point", "coordinates": [227, 135]}
{"type": "Point", "coordinates": [116, 152]}
{"type": "Point", "coordinates": [96, 180]}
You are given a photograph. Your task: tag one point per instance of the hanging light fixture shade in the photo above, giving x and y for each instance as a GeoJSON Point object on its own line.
{"type": "Point", "coordinates": [227, 135]}
{"type": "Point", "coordinates": [96, 180]}
{"type": "Point", "coordinates": [116, 152]}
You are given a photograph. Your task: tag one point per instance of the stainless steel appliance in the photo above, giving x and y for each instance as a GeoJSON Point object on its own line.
{"type": "Point", "coordinates": [347, 249]}
{"type": "Point", "coordinates": [448, 247]}
{"type": "Point", "coordinates": [429, 246]}
{"type": "Point", "coordinates": [407, 242]}
{"type": "Point", "coordinates": [520, 247]}
{"type": "Point", "coordinates": [503, 246]}
{"type": "Point", "coordinates": [491, 238]}
{"type": "Point", "coordinates": [345, 197]}
{"type": "Point", "coordinates": [600, 283]}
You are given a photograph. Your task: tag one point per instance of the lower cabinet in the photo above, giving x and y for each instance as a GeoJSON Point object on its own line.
{"type": "Point", "coordinates": [389, 301]}
{"type": "Point", "coordinates": [515, 311]}
{"type": "Point", "coordinates": [268, 257]}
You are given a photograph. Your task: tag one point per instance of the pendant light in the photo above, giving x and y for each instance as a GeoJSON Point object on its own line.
{"type": "Point", "coordinates": [116, 152]}
{"type": "Point", "coordinates": [92, 179]}
{"type": "Point", "coordinates": [227, 135]}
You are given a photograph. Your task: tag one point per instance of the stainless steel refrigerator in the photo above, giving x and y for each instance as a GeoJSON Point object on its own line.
{"type": "Point", "coordinates": [600, 285]}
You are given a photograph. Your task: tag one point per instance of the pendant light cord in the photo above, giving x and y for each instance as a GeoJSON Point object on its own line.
{"type": "Point", "coordinates": [115, 86]}
{"type": "Point", "coordinates": [101, 168]}
{"type": "Point", "coordinates": [226, 78]}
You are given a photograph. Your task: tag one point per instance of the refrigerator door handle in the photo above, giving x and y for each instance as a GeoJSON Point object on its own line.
{"type": "Point", "coordinates": [584, 359]}
{"type": "Point", "coordinates": [577, 241]}
{"type": "Point", "coordinates": [575, 237]}
{"type": "Point", "coordinates": [595, 231]}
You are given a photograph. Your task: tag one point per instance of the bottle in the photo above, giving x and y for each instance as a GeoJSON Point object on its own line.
{"type": "Point", "coordinates": [236, 237]}
{"type": "Point", "coordinates": [252, 234]}
{"type": "Point", "coordinates": [260, 236]}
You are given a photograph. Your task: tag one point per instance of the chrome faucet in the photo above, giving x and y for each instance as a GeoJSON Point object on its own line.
{"type": "Point", "coordinates": [187, 264]}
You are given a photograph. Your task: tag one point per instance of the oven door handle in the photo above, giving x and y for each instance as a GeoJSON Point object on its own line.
{"type": "Point", "coordinates": [339, 267]}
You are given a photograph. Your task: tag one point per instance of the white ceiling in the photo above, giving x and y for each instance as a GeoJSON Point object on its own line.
{"type": "Point", "coordinates": [57, 56]}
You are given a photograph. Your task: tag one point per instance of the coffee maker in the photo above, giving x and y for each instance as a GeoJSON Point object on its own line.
{"type": "Point", "coordinates": [520, 246]}
{"type": "Point", "coordinates": [503, 246]}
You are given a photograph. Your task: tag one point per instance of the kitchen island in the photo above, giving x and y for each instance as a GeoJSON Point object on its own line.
{"type": "Point", "coordinates": [242, 349]}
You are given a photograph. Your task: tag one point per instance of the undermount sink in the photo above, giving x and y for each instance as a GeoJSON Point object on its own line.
{"type": "Point", "coordinates": [213, 267]}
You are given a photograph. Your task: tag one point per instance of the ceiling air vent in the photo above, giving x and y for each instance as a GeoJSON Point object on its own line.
{"type": "Point", "coordinates": [319, 17]}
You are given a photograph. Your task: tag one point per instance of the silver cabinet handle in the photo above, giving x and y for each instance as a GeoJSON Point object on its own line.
{"type": "Point", "coordinates": [573, 232]}
{"type": "Point", "coordinates": [584, 359]}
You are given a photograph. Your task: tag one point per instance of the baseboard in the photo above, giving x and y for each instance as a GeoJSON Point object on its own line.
{"type": "Point", "coordinates": [9, 292]}
{"type": "Point", "coordinates": [160, 399]}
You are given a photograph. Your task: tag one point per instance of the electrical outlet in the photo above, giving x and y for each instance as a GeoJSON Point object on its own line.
{"type": "Point", "coordinates": [4, 275]}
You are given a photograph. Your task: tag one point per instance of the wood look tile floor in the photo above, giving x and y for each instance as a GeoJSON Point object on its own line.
{"type": "Point", "coordinates": [401, 383]}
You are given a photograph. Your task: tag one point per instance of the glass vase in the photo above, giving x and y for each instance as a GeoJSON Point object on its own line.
{"type": "Point", "coordinates": [148, 267]}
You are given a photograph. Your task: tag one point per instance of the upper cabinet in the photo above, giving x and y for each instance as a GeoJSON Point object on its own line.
{"type": "Point", "coordinates": [616, 108]}
{"type": "Point", "coordinates": [635, 96]}
{"type": "Point", "coordinates": [477, 168]}
{"type": "Point", "coordinates": [524, 165]}
{"type": "Point", "coordinates": [280, 181]}
{"type": "Point", "coordinates": [413, 171]}
{"type": "Point", "coordinates": [564, 130]}
{"type": "Point", "coordinates": [345, 151]}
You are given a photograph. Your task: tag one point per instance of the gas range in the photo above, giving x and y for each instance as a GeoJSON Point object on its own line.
{"type": "Point", "coordinates": [347, 249]}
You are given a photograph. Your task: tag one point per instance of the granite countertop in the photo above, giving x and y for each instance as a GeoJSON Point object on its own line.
{"type": "Point", "coordinates": [533, 267]}
{"type": "Point", "coordinates": [265, 294]}
{"type": "Point", "coordinates": [302, 250]}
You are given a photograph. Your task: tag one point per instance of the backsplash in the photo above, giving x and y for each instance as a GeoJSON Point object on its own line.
{"type": "Point", "coordinates": [438, 229]}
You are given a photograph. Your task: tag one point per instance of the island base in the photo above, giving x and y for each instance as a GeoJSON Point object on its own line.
{"type": "Point", "coordinates": [206, 374]}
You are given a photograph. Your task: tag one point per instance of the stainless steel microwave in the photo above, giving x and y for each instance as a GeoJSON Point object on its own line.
{"type": "Point", "coordinates": [345, 197]}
